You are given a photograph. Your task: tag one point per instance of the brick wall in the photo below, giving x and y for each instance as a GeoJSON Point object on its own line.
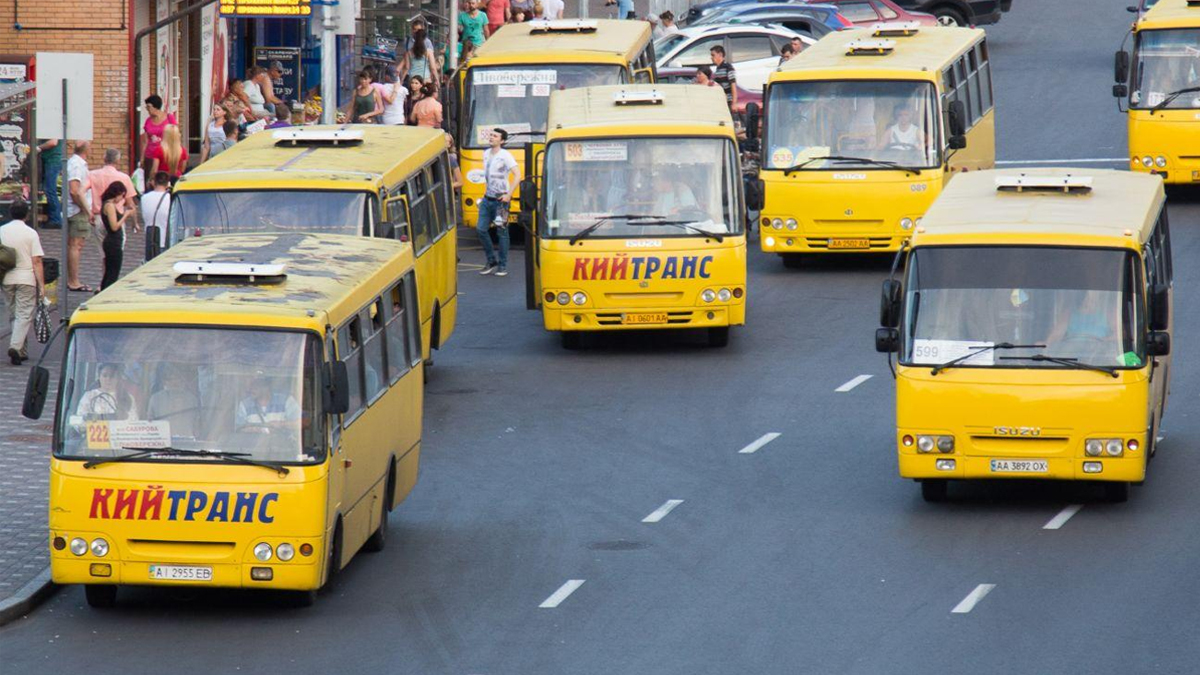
{"type": "Point", "coordinates": [110, 49]}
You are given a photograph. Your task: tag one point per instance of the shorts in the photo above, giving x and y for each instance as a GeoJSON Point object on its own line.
{"type": "Point", "coordinates": [79, 225]}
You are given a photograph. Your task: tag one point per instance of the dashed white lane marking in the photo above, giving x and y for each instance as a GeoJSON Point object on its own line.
{"type": "Point", "coordinates": [561, 594]}
{"type": "Point", "coordinates": [968, 603]}
{"type": "Point", "coordinates": [662, 511]}
{"type": "Point", "coordinates": [853, 383]}
{"type": "Point", "coordinates": [754, 447]}
{"type": "Point", "coordinates": [1089, 160]}
{"type": "Point", "coordinates": [1062, 517]}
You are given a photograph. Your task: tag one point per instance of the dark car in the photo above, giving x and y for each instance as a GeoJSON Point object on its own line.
{"type": "Point", "coordinates": [958, 12]}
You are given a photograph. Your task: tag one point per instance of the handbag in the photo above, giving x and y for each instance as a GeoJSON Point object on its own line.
{"type": "Point", "coordinates": [41, 321]}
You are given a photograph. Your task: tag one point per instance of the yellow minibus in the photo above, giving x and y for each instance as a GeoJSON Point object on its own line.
{"type": "Point", "coordinates": [638, 213]}
{"type": "Point", "coordinates": [388, 182]}
{"type": "Point", "coordinates": [1159, 85]}
{"type": "Point", "coordinates": [1032, 323]}
{"type": "Point", "coordinates": [863, 129]}
{"type": "Point", "coordinates": [507, 83]}
{"type": "Point", "coordinates": [233, 414]}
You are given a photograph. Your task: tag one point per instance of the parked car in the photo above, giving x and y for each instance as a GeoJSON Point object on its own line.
{"type": "Point", "coordinates": [687, 75]}
{"type": "Point", "coordinates": [815, 21]}
{"type": "Point", "coordinates": [957, 12]}
{"type": "Point", "coordinates": [828, 13]}
{"type": "Point", "coordinates": [870, 12]}
{"type": "Point", "coordinates": [752, 50]}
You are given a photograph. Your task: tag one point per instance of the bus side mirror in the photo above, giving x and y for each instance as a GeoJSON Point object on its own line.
{"type": "Point", "coordinates": [753, 115]}
{"type": "Point", "coordinates": [755, 194]}
{"type": "Point", "coordinates": [887, 340]}
{"type": "Point", "coordinates": [1121, 66]}
{"type": "Point", "coordinates": [153, 237]}
{"type": "Point", "coordinates": [957, 114]}
{"type": "Point", "coordinates": [1160, 304]}
{"type": "Point", "coordinates": [1120, 91]}
{"type": "Point", "coordinates": [889, 304]}
{"type": "Point", "coordinates": [337, 388]}
{"type": "Point", "coordinates": [35, 392]}
{"type": "Point", "coordinates": [1132, 9]}
{"type": "Point", "coordinates": [956, 142]}
{"type": "Point", "coordinates": [528, 195]}
{"type": "Point", "coordinates": [1158, 343]}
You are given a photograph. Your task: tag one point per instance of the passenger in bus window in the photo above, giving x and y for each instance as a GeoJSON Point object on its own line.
{"type": "Point", "coordinates": [903, 134]}
{"type": "Point", "coordinates": [265, 409]}
{"type": "Point", "coordinates": [106, 400]}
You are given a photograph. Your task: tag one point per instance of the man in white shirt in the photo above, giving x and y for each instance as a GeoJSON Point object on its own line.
{"type": "Point", "coordinates": [22, 285]}
{"type": "Point", "coordinates": [155, 205]}
{"type": "Point", "coordinates": [552, 10]}
{"type": "Point", "coordinates": [498, 166]}
{"type": "Point", "coordinates": [79, 213]}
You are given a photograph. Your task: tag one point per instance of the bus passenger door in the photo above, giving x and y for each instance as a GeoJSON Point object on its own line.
{"type": "Point", "coordinates": [528, 219]}
{"type": "Point", "coordinates": [396, 219]}
{"type": "Point", "coordinates": [337, 462]}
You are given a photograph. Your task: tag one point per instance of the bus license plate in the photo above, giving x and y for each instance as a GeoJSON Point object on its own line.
{"type": "Point", "coordinates": [849, 243]}
{"type": "Point", "coordinates": [181, 573]}
{"type": "Point", "coordinates": [643, 318]}
{"type": "Point", "coordinates": [1020, 466]}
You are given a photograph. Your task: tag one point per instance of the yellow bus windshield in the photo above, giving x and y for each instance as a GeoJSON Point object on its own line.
{"type": "Point", "coordinates": [860, 124]}
{"type": "Point", "coordinates": [1011, 304]}
{"type": "Point", "coordinates": [265, 211]}
{"type": "Point", "coordinates": [1167, 66]}
{"type": "Point", "coordinates": [517, 98]}
{"type": "Point", "coordinates": [641, 187]}
{"type": "Point", "coordinates": [250, 392]}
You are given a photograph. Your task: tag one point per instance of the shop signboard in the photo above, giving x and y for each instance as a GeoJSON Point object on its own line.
{"type": "Point", "coordinates": [288, 84]}
{"type": "Point", "coordinates": [298, 9]}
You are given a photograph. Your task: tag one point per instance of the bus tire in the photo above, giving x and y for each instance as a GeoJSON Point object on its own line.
{"type": "Point", "coordinates": [378, 539]}
{"type": "Point", "coordinates": [571, 339]}
{"type": "Point", "coordinates": [792, 261]}
{"type": "Point", "coordinates": [934, 490]}
{"type": "Point", "coordinates": [435, 331]}
{"type": "Point", "coordinates": [1116, 492]}
{"type": "Point", "coordinates": [100, 596]}
{"type": "Point", "coordinates": [301, 599]}
{"type": "Point", "coordinates": [335, 555]}
{"type": "Point", "coordinates": [718, 336]}
{"type": "Point", "coordinates": [949, 16]}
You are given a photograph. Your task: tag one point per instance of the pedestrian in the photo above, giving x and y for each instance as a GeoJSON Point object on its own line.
{"type": "Point", "coordinates": [240, 101]}
{"type": "Point", "coordinates": [114, 233]}
{"type": "Point", "coordinates": [797, 45]}
{"type": "Point", "coordinates": [667, 21]}
{"type": "Point", "coordinates": [456, 177]}
{"type": "Point", "coordinates": [366, 104]}
{"type": "Point", "coordinates": [498, 14]}
{"type": "Point", "coordinates": [786, 53]}
{"type": "Point", "coordinates": [100, 179]}
{"type": "Point", "coordinates": [283, 117]}
{"type": "Point", "coordinates": [724, 75]}
{"type": "Point", "coordinates": [419, 31]}
{"type": "Point", "coordinates": [418, 61]}
{"type": "Point", "coordinates": [267, 83]}
{"type": "Point", "coordinates": [232, 136]}
{"type": "Point", "coordinates": [415, 87]}
{"type": "Point", "coordinates": [704, 77]}
{"type": "Point", "coordinates": [214, 134]}
{"type": "Point", "coordinates": [50, 156]}
{"type": "Point", "coordinates": [552, 10]}
{"type": "Point", "coordinates": [498, 166]}
{"type": "Point", "coordinates": [428, 111]}
{"type": "Point", "coordinates": [395, 97]}
{"type": "Point", "coordinates": [23, 284]}
{"type": "Point", "coordinates": [79, 213]}
{"type": "Point", "coordinates": [254, 92]}
{"type": "Point", "coordinates": [625, 9]}
{"type": "Point", "coordinates": [152, 131]}
{"type": "Point", "coordinates": [155, 205]}
{"type": "Point", "coordinates": [518, 15]}
{"type": "Point", "coordinates": [522, 10]}
{"type": "Point", "coordinates": [474, 25]}
{"type": "Point", "coordinates": [172, 156]}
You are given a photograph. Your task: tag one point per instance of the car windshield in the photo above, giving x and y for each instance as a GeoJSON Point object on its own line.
{"type": "Point", "coordinates": [517, 99]}
{"type": "Point", "coordinates": [1166, 61]}
{"type": "Point", "coordinates": [223, 390]}
{"type": "Point", "coordinates": [261, 211]}
{"type": "Point", "coordinates": [1065, 303]}
{"type": "Point", "coordinates": [665, 43]}
{"type": "Point", "coordinates": [872, 120]}
{"type": "Point", "coordinates": [690, 182]}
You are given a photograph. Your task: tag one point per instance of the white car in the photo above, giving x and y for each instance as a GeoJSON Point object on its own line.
{"type": "Point", "coordinates": [752, 50]}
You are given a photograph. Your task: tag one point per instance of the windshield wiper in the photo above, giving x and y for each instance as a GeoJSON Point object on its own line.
{"type": "Point", "coordinates": [980, 350]}
{"type": "Point", "coordinates": [1064, 361]}
{"type": "Point", "coordinates": [842, 158]}
{"type": "Point", "coordinates": [687, 225]}
{"type": "Point", "coordinates": [619, 216]}
{"type": "Point", "coordinates": [1171, 97]}
{"type": "Point", "coordinates": [139, 453]}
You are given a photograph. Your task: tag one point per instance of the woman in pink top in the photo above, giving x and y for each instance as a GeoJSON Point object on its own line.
{"type": "Point", "coordinates": [152, 131]}
{"type": "Point", "coordinates": [428, 111]}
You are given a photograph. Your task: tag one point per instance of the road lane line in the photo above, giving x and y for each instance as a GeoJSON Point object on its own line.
{"type": "Point", "coordinates": [662, 511]}
{"type": "Point", "coordinates": [968, 603]}
{"type": "Point", "coordinates": [561, 594]}
{"type": "Point", "coordinates": [853, 383]}
{"type": "Point", "coordinates": [754, 447]}
{"type": "Point", "coordinates": [1092, 160]}
{"type": "Point", "coordinates": [1062, 517]}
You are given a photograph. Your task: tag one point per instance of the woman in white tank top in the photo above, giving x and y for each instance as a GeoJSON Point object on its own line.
{"type": "Point", "coordinates": [904, 132]}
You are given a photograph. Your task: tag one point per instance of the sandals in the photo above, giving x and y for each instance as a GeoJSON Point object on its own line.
{"type": "Point", "coordinates": [83, 288]}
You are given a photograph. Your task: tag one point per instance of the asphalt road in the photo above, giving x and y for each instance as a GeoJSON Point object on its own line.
{"type": "Point", "coordinates": [807, 556]}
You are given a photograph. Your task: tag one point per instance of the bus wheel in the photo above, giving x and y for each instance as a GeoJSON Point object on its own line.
{"type": "Point", "coordinates": [335, 554]}
{"type": "Point", "coordinates": [934, 490]}
{"type": "Point", "coordinates": [301, 598]}
{"type": "Point", "coordinates": [718, 336]}
{"type": "Point", "coordinates": [100, 597]}
{"type": "Point", "coordinates": [1116, 492]}
{"type": "Point", "coordinates": [378, 539]}
{"type": "Point", "coordinates": [792, 261]}
{"type": "Point", "coordinates": [572, 339]}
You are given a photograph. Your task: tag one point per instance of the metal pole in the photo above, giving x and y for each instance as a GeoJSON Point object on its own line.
{"type": "Point", "coordinates": [452, 7]}
{"type": "Point", "coordinates": [583, 9]}
{"type": "Point", "coordinates": [328, 65]}
{"type": "Point", "coordinates": [64, 273]}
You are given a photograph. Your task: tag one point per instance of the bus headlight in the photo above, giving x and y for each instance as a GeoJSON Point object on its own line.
{"type": "Point", "coordinates": [99, 547]}
{"type": "Point", "coordinates": [1160, 161]}
{"type": "Point", "coordinates": [791, 224]}
{"type": "Point", "coordinates": [78, 546]}
{"type": "Point", "coordinates": [1147, 161]}
{"type": "Point", "coordinates": [945, 443]}
{"type": "Point", "coordinates": [1114, 447]}
{"type": "Point", "coordinates": [564, 298]}
{"type": "Point", "coordinates": [723, 295]}
{"type": "Point", "coordinates": [263, 551]}
{"type": "Point", "coordinates": [1093, 447]}
{"type": "Point", "coordinates": [924, 443]}
{"type": "Point", "coordinates": [777, 223]}
{"type": "Point", "coordinates": [579, 298]}
{"type": "Point", "coordinates": [285, 552]}
{"type": "Point", "coordinates": [708, 295]}
{"type": "Point", "coordinates": [906, 223]}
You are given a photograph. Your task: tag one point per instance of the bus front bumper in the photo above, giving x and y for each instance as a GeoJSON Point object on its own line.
{"type": "Point", "coordinates": [1129, 469]}
{"type": "Point", "coordinates": [643, 318]}
{"type": "Point", "coordinates": [773, 241]}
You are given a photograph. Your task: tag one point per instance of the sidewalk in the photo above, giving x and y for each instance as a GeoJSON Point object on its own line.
{"type": "Point", "coordinates": [25, 448]}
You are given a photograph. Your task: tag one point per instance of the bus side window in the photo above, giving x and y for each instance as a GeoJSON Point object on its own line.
{"type": "Point", "coordinates": [1164, 248]}
{"type": "Point", "coordinates": [972, 63]}
{"type": "Point", "coordinates": [985, 75]}
{"type": "Point", "coordinates": [422, 217]}
{"type": "Point", "coordinates": [411, 319]}
{"type": "Point", "coordinates": [437, 205]}
{"type": "Point", "coordinates": [444, 193]}
{"type": "Point", "coordinates": [396, 214]}
{"type": "Point", "coordinates": [963, 89]}
{"type": "Point", "coordinates": [350, 346]}
{"type": "Point", "coordinates": [398, 357]}
{"type": "Point", "coordinates": [374, 361]}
